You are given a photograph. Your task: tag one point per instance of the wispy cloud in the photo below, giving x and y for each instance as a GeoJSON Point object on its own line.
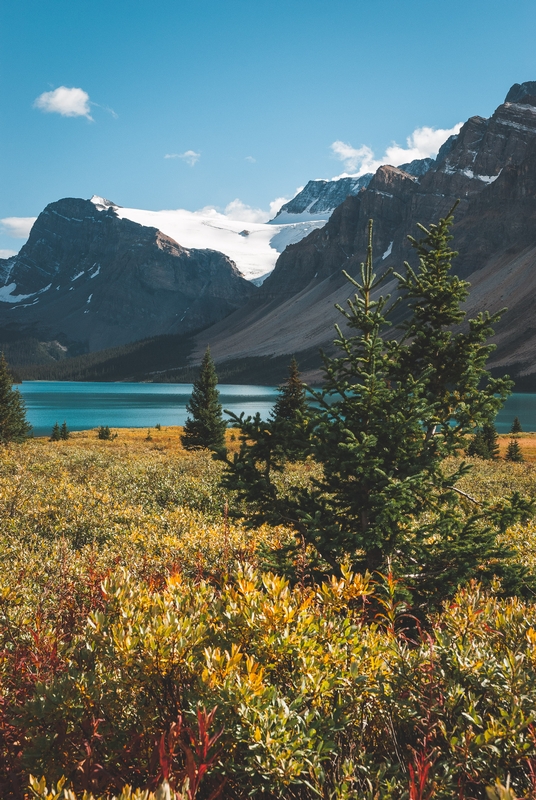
{"type": "Point", "coordinates": [422, 143]}
{"type": "Point", "coordinates": [69, 102]}
{"type": "Point", "coordinates": [250, 159]}
{"type": "Point", "coordinates": [106, 108]}
{"type": "Point", "coordinates": [190, 156]}
{"type": "Point", "coordinates": [7, 253]}
{"type": "Point", "coordinates": [17, 227]}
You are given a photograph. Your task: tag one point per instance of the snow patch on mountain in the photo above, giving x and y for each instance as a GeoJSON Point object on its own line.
{"type": "Point", "coordinates": [7, 296]}
{"type": "Point", "coordinates": [388, 251]}
{"type": "Point", "coordinates": [254, 254]}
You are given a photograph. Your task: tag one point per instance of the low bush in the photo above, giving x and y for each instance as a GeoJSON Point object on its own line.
{"type": "Point", "coordinates": [131, 608]}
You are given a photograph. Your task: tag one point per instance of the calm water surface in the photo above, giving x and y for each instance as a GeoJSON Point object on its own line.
{"type": "Point", "coordinates": [127, 405]}
{"type": "Point", "coordinates": [143, 405]}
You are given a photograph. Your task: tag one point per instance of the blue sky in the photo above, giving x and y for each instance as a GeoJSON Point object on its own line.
{"type": "Point", "coordinates": [257, 91]}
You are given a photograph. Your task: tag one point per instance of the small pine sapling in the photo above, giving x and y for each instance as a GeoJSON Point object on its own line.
{"type": "Point", "coordinates": [513, 452]}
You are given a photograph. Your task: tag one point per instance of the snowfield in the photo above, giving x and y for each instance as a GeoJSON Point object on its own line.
{"type": "Point", "coordinates": [253, 246]}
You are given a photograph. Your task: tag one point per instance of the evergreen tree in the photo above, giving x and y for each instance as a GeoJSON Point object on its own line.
{"type": "Point", "coordinates": [55, 436]}
{"type": "Point", "coordinates": [478, 446]}
{"type": "Point", "coordinates": [205, 426]}
{"type": "Point", "coordinates": [64, 431]}
{"type": "Point", "coordinates": [104, 432]}
{"type": "Point", "coordinates": [485, 442]}
{"type": "Point", "coordinates": [289, 416]}
{"type": "Point", "coordinates": [513, 452]}
{"type": "Point", "coordinates": [516, 426]}
{"type": "Point", "coordinates": [491, 438]}
{"type": "Point", "coordinates": [13, 424]}
{"type": "Point", "coordinates": [390, 411]}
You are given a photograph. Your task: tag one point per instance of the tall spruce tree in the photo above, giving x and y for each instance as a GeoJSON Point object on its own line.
{"type": "Point", "coordinates": [491, 438]}
{"type": "Point", "coordinates": [55, 436]}
{"type": "Point", "coordinates": [205, 426]}
{"type": "Point", "coordinates": [289, 416]}
{"type": "Point", "coordinates": [64, 431]}
{"type": "Point", "coordinates": [390, 411]}
{"type": "Point", "coordinates": [13, 424]}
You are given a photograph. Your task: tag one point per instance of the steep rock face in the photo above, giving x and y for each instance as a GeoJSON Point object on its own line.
{"type": "Point", "coordinates": [418, 167]}
{"type": "Point", "coordinates": [490, 167]}
{"type": "Point", "coordinates": [325, 252]}
{"type": "Point", "coordinates": [522, 93]}
{"type": "Point", "coordinates": [319, 198]}
{"type": "Point", "coordinates": [86, 276]}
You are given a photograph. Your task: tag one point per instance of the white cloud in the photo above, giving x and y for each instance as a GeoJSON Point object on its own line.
{"type": "Point", "coordinates": [251, 159]}
{"type": "Point", "coordinates": [238, 210]}
{"type": "Point", "coordinates": [7, 253]}
{"type": "Point", "coordinates": [67, 102]}
{"type": "Point", "coordinates": [353, 158]}
{"type": "Point", "coordinates": [17, 227]}
{"type": "Point", "coordinates": [241, 212]}
{"type": "Point", "coordinates": [422, 143]}
{"type": "Point", "coordinates": [276, 204]}
{"type": "Point", "coordinates": [190, 156]}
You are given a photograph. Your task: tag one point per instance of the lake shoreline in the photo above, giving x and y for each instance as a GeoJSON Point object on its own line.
{"type": "Point", "coordinates": [86, 405]}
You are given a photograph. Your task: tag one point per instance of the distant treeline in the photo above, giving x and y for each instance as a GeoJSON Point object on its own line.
{"type": "Point", "coordinates": [134, 361]}
{"type": "Point", "coordinates": [260, 370]}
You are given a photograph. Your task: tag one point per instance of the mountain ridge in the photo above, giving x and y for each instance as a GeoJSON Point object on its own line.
{"type": "Point", "coordinates": [490, 163]}
{"type": "Point", "coordinates": [87, 278]}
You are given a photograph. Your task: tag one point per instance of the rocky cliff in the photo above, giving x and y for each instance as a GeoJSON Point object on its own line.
{"type": "Point", "coordinates": [91, 280]}
{"type": "Point", "coordinates": [490, 167]}
{"type": "Point", "coordinates": [318, 198]}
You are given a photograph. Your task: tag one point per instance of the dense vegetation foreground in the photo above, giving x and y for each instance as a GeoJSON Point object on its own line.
{"type": "Point", "coordinates": [132, 608]}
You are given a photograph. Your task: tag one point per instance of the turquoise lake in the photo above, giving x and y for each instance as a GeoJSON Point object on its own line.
{"type": "Point", "coordinates": [143, 405]}
{"type": "Point", "coordinates": [127, 405]}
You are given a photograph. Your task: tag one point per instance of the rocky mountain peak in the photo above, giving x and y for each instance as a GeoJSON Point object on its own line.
{"type": "Point", "coordinates": [418, 167]}
{"type": "Point", "coordinates": [88, 277]}
{"type": "Point", "coordinates": [522, 93]}
{"type": "Point", "coordinates": [318, 198]}
{"type": "Point", "coordinates": [102, 204]}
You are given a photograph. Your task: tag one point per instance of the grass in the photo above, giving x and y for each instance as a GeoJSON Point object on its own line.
{"type": "Point", "coordinates": [526, 441]}
{"type": "Point", "coordinates": [127, 596]}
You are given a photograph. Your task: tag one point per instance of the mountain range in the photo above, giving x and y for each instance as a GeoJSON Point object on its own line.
{"type": "Point", "coordinates": [93, 275]}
